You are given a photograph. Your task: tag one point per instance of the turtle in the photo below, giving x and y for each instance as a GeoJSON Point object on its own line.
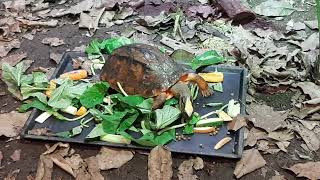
{"type": "Point", "coordinates": [144, 70]}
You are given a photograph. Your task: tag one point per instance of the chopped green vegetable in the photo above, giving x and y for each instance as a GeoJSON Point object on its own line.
{"type": "Point", "coordinates": [112, 138]}
{"type": "Point", "coordinates": [62, 96]}
{"type": "Point", "coordinates": [97, 131]}
{"type": "Point", "coordinates": [132, 100]}
{"type": "Point", "coordinates": [171, 102]}
{"type": "Point", "coordinates": [94, 95]}
{"type": "Point", "coordinates": [208, 58]}
{"type": "Point", "coordinates": [210, 122]}
{"type": "Point", "coordinates": [34, 104]}
{"type": "Point", "coordinates": [109, 45]}
{"type": "Point", "coordinates": [93, 48]}
{"type": "Point", "coordinates": [128, 121]}
{"type": "Point", "coordinates": [32, 91]}
{"type": "Point", "coordinates": [188, 129]}
{"type": "Point", "coordinates": [146, 105]}
{"type": "Point", "coordinates": [166, 116]}
{"type": "Point", "coordinates": [111, 122]}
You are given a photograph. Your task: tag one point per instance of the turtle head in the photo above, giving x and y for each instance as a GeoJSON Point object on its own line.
{"type": "Point", "coordinates": [182, 91]}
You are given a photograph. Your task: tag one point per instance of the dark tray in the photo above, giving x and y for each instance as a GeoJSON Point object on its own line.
{"type": "Point", "coordinates": [234, 87]}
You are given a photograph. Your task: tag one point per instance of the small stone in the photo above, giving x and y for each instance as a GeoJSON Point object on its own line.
{"type": "Point", "coordinates": [200, 145]}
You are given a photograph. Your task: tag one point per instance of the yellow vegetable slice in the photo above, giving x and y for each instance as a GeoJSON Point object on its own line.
{"type": "Point", "coordinates": [222, 142]}
{"type": "Point", "coordinates": [213, 77]}
{"type": "Point", "coordinates": [224, 116]}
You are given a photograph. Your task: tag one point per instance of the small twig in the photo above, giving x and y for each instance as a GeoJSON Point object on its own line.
{"type": "Point", "coordinates": [121, 89]}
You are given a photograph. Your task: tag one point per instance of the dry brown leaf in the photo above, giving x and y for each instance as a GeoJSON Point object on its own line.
{"type": "Point", "coordinates": [186, 170]}
{"type": "Point", "coordinates": [284, 135]}
{"type": "Point", "coordinates": [56, 57]}
{"type": "Point", "coordinates": [309, 170]}
{"type": "Point", "coordinates": [44, 169]}
{"type": "Point", "coordinates": [159, 164]}
{"type": "Point", "coordinates": [53, 41]}
{"type": "Point", "coordinates": [251, 160]}
{"type": "Point", "coordinates": [1, 157]}
{"type": "Point", "coordinates": [283, 145]}
{"type": "Point", "coordinates": [237, 123]}
{"type": "Point", "coordinates": [310, 88]}
{"type": "Point", "coordinates": [16, 155]}
{"type": "Point", "coordinates": [91, 20]}
{"type": "Point", "coordinates": [308, 136]}
{"type": "Point", "coordinates": [12, 175]}
{"type": "Point", "coordinates": [265, 117]}
{"type": "Point", "coordinates": [5, 47]}
{"type": "Point", "coordinates": [93, 168]}
{"type": "Point", "coordinates": [278, 177]}
{"type": "Point", "coordinates": [13, 59]}
{"type": "Point", "coordinates": [75, 161]}
{"type": "Point", "coordinates": [109, 158]}
{"type": "Point", "coordinates": [255, 135]}
{"type": "Point", "coordinates": [11, 123]}
{"type": "Point", "coordinates": [51, 23]}
{"type": "Point", "coordinates": [62, 163]}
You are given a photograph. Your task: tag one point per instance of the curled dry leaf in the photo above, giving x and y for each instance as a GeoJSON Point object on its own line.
{"type": "Point", "coordinates": [310, 88]}
{"type": "Point", "coordinates": [109, 158]}
{"type": "Point", "coordinates": [265, 117]}
{"type": "Point", "coordinates": [16, 155]}
{"type": "Point", "coordinates": [5, 47]}
{"type": "Point", "coordinates": [159, 164]}
{"type": "Point", "coordinates": [237, 123]}
{"type": "Point", "coordinates": [62, 163]}
{"type": "Point", "coordinates": [53, 41]}
{"type": "Point", "coordinates": [11, 123]}
{"type": "Point", "coordinates": [309, 170]}
{"type": "Point", "coordinates": [250, 161]}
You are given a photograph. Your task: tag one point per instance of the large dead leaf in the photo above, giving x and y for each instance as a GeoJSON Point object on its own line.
{"type": "Point", "coordinates": [16, 155]}
{"type": "Point", "coordinates": [5, 47]}
{"type": "Point", "coordinates": [265, 117]}
{"type": "Point", "coordinates": [11, 123]}
{"type": "Point", "coordinates": [111, 158]}
{"type": "Point", "coordinates": [52, 41]}
{"type": "Point", "coordinates": [91, 20]}
{"type": "Point", "coordinates": [255, 135]}
{"type": "Point", "coordinates": [251, 160]}
{"type": "Point", "coordinates": [159, 164]}
{"type": "Point", "coordinates": [309, 170]}
{"type": "Point", "coordinates": [13, 59]}
{"type": "Point", "coordinates": [310, 88]}
{"type": "Point", "coordinates": [308, 136]}
{"type": "Point", "coordinates": [311, 43]}
{"type": "Point", "coordinates": [284, 135]}
{"type": "Point", "coordinates": [82, 6]}
{"type": "Point", "coordinates": [237, 123]}
{"type": "Point", "coordinates": [312, 24]}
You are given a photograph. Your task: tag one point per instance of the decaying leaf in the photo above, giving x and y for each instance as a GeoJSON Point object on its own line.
{"type": "Point", "coordinates": [265, 117]}
{"type": "Point", "coordinates": [159, 164]}
{"type": "Point", "coordinates": [284, 135]}
{"type": "Point", "coordinates": [237, 123]}
{"type": "Point", "coordinates": [5, 47]}
{"type": "Point", "coordinates": [109, 158]}
{"type": "Point", "coordinates": [51, 23]}
{"type": "Point", "coordinates": [175, 45]}
{"type": "Point", "coordinates": [53, 41]}
{"type": "Point", "coordinates": [311, 43]}
{"type": "Point", "coordinates": [76, 9]}
{"type": "Point", "coordinates": [283, 145]}
{"type": "Point", "coordinates": [255, 135]}
{"type": "Point", "coordinates": [11, 123]}
{"type": "Point", "coordinates": [93, 168]}
{"type": "Point", "coordinates": [312, 24]}
{"type": "Point", "coordinates": [309, 170]}
{"type": "Point", "coordinates": [91, 20]}
{"type": "Point", "coordinates": [274, 8]}
{"type": "Point", "coordinates": [250, 161]}
{"type": "Point", "coordinates": [13, 59]}
{"type": "Point", "coordinates": [310, 88]}
{"type": "Point", "coordinates": [56, 57]}
{"type": "Point", "coordinates": [16, 155]}
{"type": "Point", "coordinates": [308, 136]}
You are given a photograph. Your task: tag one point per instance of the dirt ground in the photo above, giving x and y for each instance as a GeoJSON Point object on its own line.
{"type": "Point", "coordinates": [215, 168]}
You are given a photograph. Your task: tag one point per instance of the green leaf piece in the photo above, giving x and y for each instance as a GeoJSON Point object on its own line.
{"type": "Point", "coordinates": [208, 58]}
{"type": "Point", "coordinates": [94, 95]}
{"type": "Point", "coordinates": [166, 116]}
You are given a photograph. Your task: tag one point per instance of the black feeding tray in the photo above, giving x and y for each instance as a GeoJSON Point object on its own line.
{"type": "Point", "coordinates": [234, 87]}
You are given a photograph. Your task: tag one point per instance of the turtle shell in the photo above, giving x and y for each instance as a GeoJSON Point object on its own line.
{"type": "Point", "coordinates": [141, 69]}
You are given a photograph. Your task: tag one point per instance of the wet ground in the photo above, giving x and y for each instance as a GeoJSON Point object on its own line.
{"type": "Point", "coordinates": [215, 168]}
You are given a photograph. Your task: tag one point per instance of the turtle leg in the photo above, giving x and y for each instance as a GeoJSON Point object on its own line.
{"type": "Point", "coordinates": [195, 78]}
{"type": "Point", "coordinates": [159, 100]}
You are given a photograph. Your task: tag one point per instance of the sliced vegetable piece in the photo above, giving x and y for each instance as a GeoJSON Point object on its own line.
{"type": "Point", "coordinates": [52, 86]}
{"type": "Point", "coordinates": [233, 108]}
{"type": "Point", "coordinates": [112, 138]}
{"type": "Point", "coordinates": [213, 77]}
{"type": "Point", "coordinates": [70, 110]}
{"type": "Point", "coordinates": [43, 117]}
{"type": "Point", "coordinates": [210, 122]}
{"type": "Point", "coordinates": [224, 116]}
{"type": "Point", "coordinates": [75, 75]}
{"type": "Point", "coordinates": [81, 111]}
{"type": "Point", "coordinates": [203, 129]}
{"type": "Point", "coordinates": [222, 142]}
